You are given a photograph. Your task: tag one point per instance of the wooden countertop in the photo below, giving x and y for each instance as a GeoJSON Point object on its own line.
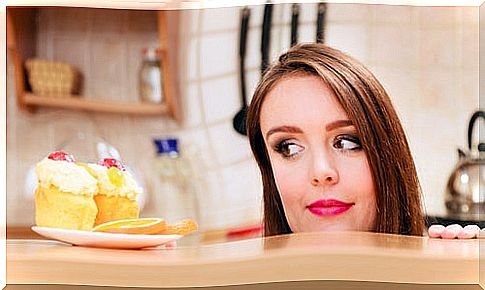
{"type": "Point", "coordinates": [349, 256]}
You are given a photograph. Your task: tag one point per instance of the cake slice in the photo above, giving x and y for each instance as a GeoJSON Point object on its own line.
{"type": "Point", "coordinates": [116, 198]}
{"type": "Point", "coordinates": [64, 197]}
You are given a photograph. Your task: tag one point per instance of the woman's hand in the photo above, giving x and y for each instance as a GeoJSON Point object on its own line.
{"type": "Point", "coordinates": [454, 231]}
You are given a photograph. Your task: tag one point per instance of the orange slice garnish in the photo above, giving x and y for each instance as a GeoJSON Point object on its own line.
{"type": "Point", "coordinates": [146, 226]}
{"type": "Point", "coordinates": [182, 227]}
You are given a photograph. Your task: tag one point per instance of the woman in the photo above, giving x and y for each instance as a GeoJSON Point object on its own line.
{"type": "Point", "coordinates": [331, 149]}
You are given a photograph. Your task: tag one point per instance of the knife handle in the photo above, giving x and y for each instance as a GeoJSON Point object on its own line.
{"type": "Point", "coordinates": [245, 14]}
{"type": "Point", "coordinates": [265, 36]}
{"type": "Point", "coordinates": [295, 12]}
{"type": "Point", "coordinates": [322, 8]}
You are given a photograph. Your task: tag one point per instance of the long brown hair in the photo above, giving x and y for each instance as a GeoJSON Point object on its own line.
{"type": "Point", "coordinates": [398, 193]}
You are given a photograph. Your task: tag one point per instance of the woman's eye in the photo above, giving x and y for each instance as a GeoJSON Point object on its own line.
{"type": "Point", "coordinates": [347, 143]}
{"type": "Point", "coordinates": [288, 149]}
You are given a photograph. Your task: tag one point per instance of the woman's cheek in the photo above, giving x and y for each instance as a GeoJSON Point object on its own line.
{"type": "Point", "coordinates": [289, 184]}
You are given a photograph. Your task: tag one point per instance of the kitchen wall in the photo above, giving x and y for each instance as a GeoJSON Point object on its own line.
{"type": "Point", "coordinates": [426, 57]}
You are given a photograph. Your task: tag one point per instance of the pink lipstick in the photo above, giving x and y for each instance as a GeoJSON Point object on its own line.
{"type": "Point", "coordinates": [329, 207]}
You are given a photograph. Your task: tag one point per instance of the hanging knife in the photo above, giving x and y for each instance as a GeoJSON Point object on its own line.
{"type": "Point", "coordinates": [265, 36]}
{"type": "Point", "coordinates": [322, 8]}
{"type": "Point", "coordinates": [295, 12]}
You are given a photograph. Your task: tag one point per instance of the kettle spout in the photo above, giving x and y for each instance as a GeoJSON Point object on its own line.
{"type": "Point", "coordinates": [461, 154]}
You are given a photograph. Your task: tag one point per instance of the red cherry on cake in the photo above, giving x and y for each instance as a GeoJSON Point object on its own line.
{"type": "Point", "coordinates": [111, 162]}
{"type": "Point", "coordinates": [61, 156]}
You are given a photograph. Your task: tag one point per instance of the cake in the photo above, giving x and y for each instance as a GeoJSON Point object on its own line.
{"type": "Point", "coordinates": [116, 197]}
{"type": "Point", "coordinates": [64, 197]}
{"type": "Point", "coordinates": [80, 196]}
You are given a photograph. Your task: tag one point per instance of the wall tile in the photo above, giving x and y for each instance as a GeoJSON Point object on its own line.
{"type": "Point", "coordinates": [469, 96]}
{"type": "Point", "coordinates": [307, 33]}
{"type": "Point", "coordinates": [394, 45]}
{"type": "Point", "coordinates": [284, 40]}
{"type": "Point", "coordinates": [213, 194]}
{"type": "Point", "coordinates": [213, 18]}
{"type": "Point", "coordinates": [253, 48]}
{"type": "Point", "coordinates": [230, 146]}
{"type": "Point", "coordinates": [469, 44]}
{"type": "Point", "coordinates": [256, 16]}
{"type": "Point", "coordinates": [192, 103]}
{"type": "Point", "coordinates": [308, 13]}
{"type": "Point", "coordinates": [281, 14]}
{"type": "Point", "coordinates": [219, 54]}
{"type": "Point", "coordinates": [350, 13]}
{"type": "Point", "coordinates": [352, 39]}
{"type": "Point", "coordinates": [248, 178]}
{"type": "Point", "coordinates": [438, 47]}
{"type": "Point", "coordinates": [192, 63]}
{"type": "Point", "coordinates": [394, 14]}
{"type": "Point", "coordinates": [470, 14]}
{"type": "Point", "coordinates": [437, 16]}
{"type": "Point", "coordinates": [402, 87]}
{"type": "Point", "coordinates": [221, 98]}
{"type": "Point", "coordinates": [252, 79]}
{"type": "Point", "coordinates": [192, 16]}
{"type": "Point", "coordinates": [439, 88]}
{"type": "Point", "coordinates": [275, 48]}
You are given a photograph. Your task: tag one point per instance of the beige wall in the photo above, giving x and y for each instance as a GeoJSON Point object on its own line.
{"type": "Point", "coordinates": [427, 58]}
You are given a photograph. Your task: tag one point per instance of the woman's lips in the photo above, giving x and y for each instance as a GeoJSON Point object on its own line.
{"type": "Point", "coordinates": [329, 207]}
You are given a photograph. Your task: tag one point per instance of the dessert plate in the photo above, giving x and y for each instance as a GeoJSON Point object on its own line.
{"type": "Point", "coordinates": [104, 240]}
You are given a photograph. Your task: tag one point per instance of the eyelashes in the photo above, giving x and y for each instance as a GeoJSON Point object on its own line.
{"type": "Point", "coordinates": [287, 148]}
{"type": "Point", "coordinates": [346, 143]}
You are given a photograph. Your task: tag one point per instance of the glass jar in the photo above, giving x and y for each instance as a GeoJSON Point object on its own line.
{"type": "Point", "coordinates": [150, 77]}
{"type": "Point", "coordinates": [176, 188]}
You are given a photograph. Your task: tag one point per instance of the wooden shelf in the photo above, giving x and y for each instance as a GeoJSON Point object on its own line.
{"type": "Point", "coordinates": [21, 42]}
{"type": "Point", "coordinates": [83, 104]}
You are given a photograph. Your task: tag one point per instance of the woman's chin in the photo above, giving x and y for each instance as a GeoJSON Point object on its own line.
{"type": "Point", "coordinates": [331, 228]}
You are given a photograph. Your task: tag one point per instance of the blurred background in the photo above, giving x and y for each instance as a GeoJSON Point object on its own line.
{"type": "Point", "coordinates": [426, 57]}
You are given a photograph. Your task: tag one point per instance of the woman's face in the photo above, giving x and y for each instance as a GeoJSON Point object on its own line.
{"type": "Point", "coordinates": [320, 168]}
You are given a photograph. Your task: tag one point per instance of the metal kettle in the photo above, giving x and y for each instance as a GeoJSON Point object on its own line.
{"type": "Point", "coordinates": [465, 193]}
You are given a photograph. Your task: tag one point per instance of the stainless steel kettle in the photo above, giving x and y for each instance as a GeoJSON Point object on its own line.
{"type": "Point", "coordinates": [465, 194]}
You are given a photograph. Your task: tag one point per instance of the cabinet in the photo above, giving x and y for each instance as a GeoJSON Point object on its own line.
{"type": "Point", "coordinates": [25, 35]}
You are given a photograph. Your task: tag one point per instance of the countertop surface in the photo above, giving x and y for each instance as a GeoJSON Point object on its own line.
{"type": "Point", "coordinates": [349, 256]}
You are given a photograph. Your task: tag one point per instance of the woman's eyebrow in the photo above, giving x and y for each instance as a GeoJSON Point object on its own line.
{"type": "Point", "coordinates": [291, 129]}
{"type": "Point", "coordinates": [285, 129]}
{"type": "Point", "coordinates": [338, 124]}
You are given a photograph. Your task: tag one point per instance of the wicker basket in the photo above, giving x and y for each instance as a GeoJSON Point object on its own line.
{"type": "Point", "coordinates": [52, 79]}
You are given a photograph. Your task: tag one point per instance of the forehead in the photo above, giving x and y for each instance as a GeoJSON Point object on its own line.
{"type": "Point", "coordinates": [302, 101]}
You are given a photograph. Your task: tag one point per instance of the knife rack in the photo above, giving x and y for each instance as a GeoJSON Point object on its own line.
{"type": "Point", "coordinates": [22, 27]}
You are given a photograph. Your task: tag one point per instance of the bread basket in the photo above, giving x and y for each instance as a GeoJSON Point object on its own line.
{"type": "Point", "coordinates": [52, 79]}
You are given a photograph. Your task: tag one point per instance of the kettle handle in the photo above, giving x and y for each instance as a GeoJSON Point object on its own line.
{"type": "Point", "coordinates": [474, 117]}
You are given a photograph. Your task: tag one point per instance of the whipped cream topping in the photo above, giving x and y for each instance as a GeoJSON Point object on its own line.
{"type": "Point", "coordinates": [129, 189]}
{"type": "Point", "coordinates": [67, 176]}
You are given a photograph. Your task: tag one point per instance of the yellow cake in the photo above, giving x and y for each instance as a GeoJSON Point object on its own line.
{"type": "Point", "coordinates": [116, 197]}
{"type": "Point", "coordinates": [64, 197]}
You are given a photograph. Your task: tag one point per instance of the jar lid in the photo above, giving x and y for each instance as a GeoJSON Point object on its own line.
{"type": "Point", "coordinates": [151, 53]}
{"type": "Point", "coordinates": [166, 146]}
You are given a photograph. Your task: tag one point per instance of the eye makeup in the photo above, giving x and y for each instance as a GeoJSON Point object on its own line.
{"type": "Point", "coordinates": [348, 142]}
{"type": "Point", "coordinates": [287, 148]}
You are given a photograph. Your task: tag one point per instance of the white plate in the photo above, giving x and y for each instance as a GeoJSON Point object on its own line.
{"type": "Point", "coordinates": [104, 240]}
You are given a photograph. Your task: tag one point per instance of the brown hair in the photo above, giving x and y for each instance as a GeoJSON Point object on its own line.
{"type": "Point", "coordinates": [369, 108]}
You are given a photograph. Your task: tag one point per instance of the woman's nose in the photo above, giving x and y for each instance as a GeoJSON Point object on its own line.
{"type": "Point", "coordinates": [324, 171]}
